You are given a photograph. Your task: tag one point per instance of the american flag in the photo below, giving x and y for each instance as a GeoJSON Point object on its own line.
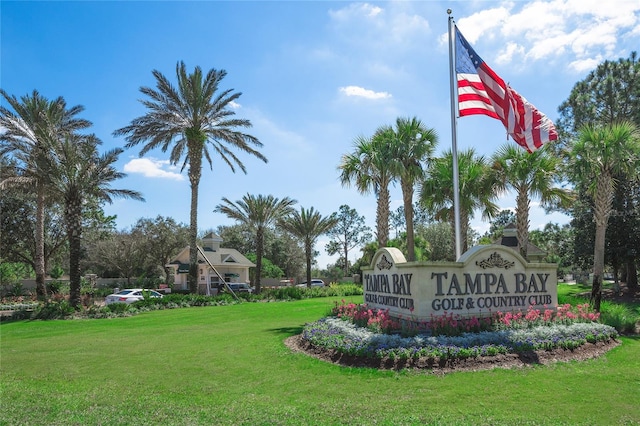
{"type": "Point", "coordinates": [482, 91]}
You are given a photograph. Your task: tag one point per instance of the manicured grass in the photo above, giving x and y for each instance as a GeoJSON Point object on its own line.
{"type": "Point", "coordinates": [228, 365]}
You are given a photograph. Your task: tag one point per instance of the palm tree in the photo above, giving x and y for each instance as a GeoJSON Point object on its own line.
{"type": "Point", "coordinates": [598, 156]}
{"type": "Point", "coordinates": [530, 175]}
{"type": "Point", "coordinates": [258, 213]}
{"type": "Point", "coordinates": [77, 175]}
{"type": "Point", "coordinates": [307, 225]}
{"type": "Point", "coordinates": [192, 119]}
{"type": "Point", "coordinates": [412, 145]}
{"type": "Point", "coordinates": [34, 119]}
{"type": "Point", "coordinates": [476, 188]}
{"type": "Point", "coordinates": [368, 168]}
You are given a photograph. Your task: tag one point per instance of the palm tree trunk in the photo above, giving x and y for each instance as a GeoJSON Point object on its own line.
{"type": "Point", "coordinates": [382, 216]}
{"type": "Point", "coordinates": [195, 163]}
{"type": "Point", "coordinates": [522, 220]}
{"type": "Point", "coordinates": [73, 217]}
{"type": "Point", "coordinates": [259, 249]}
{"type": "Point", "coordinates": [307, 251]}
{"type": "Point", "coordinates": [603, 202]}
{"type": "Point", "coordinates": [407, 197]}
{"type": "Point", "coordinates": [41, 289]}
{"type": "Point", "coordinates": [464, 231]}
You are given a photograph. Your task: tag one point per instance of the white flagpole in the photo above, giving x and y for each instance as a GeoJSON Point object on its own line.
{"type": "Point", "coordinates": [454, 142]}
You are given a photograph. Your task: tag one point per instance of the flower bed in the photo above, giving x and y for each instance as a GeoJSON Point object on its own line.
{"type": "Point", "coordinates": [357, 335]}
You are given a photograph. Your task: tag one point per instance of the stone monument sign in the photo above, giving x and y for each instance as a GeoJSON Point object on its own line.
{"type": "Point", "coordinates": [485, 280]}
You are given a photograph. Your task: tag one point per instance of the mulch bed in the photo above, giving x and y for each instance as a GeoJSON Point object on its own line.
{"type": "Point", "coordinates": [442, 366]}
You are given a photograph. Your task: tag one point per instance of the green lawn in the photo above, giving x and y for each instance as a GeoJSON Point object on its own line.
{"type": "Point", "coordinates": [228, 365]}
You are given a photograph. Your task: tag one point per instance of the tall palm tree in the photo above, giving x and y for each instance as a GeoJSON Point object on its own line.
{"type": "Point", "coordinates": [367, 167]}
{"type": "Point", "coordinates": [307, 225]}
{"type": "Point", "coordinates": [476, 189]}
{"type": "Point", "coordinates": [598, 156]}
{"type": "Point", "coordinates": [530, 175]}
{"type": "Point", "coordinates": [79, 174]}
{"type": "Point", "coordinates": [193, 119]}
{"type": "Point", "coordinates": [258, 213]}
{"type": "Point", "coordinates": [413, 144]}
{"type": "Point", "coordinates": [35, 118]}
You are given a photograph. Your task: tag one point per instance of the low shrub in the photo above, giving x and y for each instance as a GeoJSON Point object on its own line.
{"type": "Point", "coordinates": [54, 286]}
{"type": "Point", "coordinates": [298, 293]}
{"type": "Point", "coordinates": [118, 308]}
{"type": "Point", "coordinates": [284, 293]}
{"type": "Point", "coordinates": [621, 317]}
{"type": "Point", "coordinates": [347, 338]}
{"type": "Point", "coordinates": [53, 310]}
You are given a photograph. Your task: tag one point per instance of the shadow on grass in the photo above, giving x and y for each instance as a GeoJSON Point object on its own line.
{"type": "Point", "coordinates": [288, 331]}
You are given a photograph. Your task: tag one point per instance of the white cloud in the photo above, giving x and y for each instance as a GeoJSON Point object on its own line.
{"type": "Point", "coordinates": [355, 11]}
{"type": "Point", "coordinates": [483, 23]}
{"type": "Point", "coordinates": [153, 168]}
{"type": "Point", "coordinates": [361, 92]}
{"type": "Point", "coordinates": [544, 30]}
{"type": "Point", "coordinates": [507, 54]}
{"type": "Point", "coordinates": [376, 30]}
{"type": "Point", "coordinates": [582, 65]}
{"type": "Point", "coordinates": [235, 105]}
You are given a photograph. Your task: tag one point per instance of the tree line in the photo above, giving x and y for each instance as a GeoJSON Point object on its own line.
{"type": "Point", "coordinates": [51, 164]}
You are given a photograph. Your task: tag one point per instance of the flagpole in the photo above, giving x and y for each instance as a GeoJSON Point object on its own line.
{"type": "Point", "coordinates": [454, 137]}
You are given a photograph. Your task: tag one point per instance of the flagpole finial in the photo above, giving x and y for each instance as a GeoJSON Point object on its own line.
{"type": "Point", "coordinates": [449, 11]}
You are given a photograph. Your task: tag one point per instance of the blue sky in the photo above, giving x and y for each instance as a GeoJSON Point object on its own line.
{"type": "Point", "coordinates": [313, 76]}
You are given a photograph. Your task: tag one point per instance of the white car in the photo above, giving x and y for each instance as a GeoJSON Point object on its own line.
{"type": "Point", "coordinates": [130, 295]}
{"type": "Point", "coordinates": [314, 283]}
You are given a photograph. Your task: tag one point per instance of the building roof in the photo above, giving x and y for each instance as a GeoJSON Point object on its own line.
{"type": "Point", "coordinates": [227, 257]}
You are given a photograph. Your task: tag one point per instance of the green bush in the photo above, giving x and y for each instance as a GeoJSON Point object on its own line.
{"type": "Point", "coordinates": [118, 308]}
{"type": "Point", "coordinates": [298, 293]}
{"type": "Point", "coordinates": [15, 289]}
{"type": "Point", "coordinates": [103, 291]}
{"type": "Point", "coordinates": [56, 272]}
{"type": "Point", "coordinates": [54, 286]}
{"type": "Point", "coordinates": [621, 317]}
{"type": "Point", "coordinates": [53, 310]}
{"type": "Point", "coordinates": [284, 293]}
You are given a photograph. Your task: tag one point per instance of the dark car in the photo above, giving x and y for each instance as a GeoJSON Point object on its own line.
{"type": "Point", "coordinates": [240, 287]}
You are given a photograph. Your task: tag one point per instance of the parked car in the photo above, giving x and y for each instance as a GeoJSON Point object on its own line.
{"type": "Point", "coordinates": [240, 287]}
{"type": "Point", "coordinates": [130, 295]}
{"type": "Point", "coordinates": [314, 283]}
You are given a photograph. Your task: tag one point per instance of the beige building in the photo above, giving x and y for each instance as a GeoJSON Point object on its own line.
{"type": "Point", "coordinates": [229, 264]}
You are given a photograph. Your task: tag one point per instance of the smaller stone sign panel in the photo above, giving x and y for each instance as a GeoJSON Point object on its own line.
{"type": "Point", "coordinates": [485, 280]}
